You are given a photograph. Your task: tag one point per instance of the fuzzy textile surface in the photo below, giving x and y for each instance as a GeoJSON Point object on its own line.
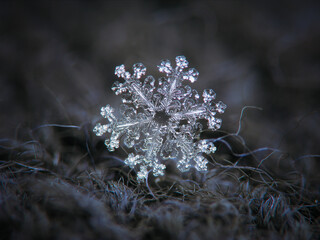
{"type": "Point", "coordinates": [58, 180]}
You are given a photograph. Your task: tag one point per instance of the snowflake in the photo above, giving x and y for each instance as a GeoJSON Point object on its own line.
{"type": "Point", "coordinates": [161, 121]}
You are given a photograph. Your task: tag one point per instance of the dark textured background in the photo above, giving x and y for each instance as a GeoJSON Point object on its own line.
{"type": "Point", "coordinates": [57, 60]}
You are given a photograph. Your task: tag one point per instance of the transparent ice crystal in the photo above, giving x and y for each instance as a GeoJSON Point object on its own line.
{"type": "Point", "coordinates": [161, 120]}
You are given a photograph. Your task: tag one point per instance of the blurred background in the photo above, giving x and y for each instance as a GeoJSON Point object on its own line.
{"type": "Point", "coordinates": [57, 61]}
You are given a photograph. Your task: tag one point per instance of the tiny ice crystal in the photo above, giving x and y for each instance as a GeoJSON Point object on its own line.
{"type": "Point", "coordinates": [161, 121]}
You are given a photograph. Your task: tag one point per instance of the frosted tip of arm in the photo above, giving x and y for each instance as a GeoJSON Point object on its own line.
{"type": "Point", "coordinates": [158, 169]}
{"type": "Point", "coordinates": [165, 66]}
{"type": "Point", "coordinates": [121, 72]}
{"type": "Point", "coordinates": [139, 70]}
{"type": "Point", "coordinates": [181, 62]}
{"type": "Point", "coordinates": [214, 123]}
{"type": "Point", "coordinates": [206, 146]}
{"type": "Point", "coordinates": [107, 112]}
{"type": "Point", "coordinates": [132, 160]}
{"type": "Point", "coordinates": [142, 174]}
{"type": "Point", "coordinates": [208, 95]}
{"type": "Point", "coordinates": [191, 75]}
{"type": "Point", "coordinates": [220, 107]}
{"type": "Point", "coordinates": [99, 129]}
{"type": "Point", "coordinates": [201, 163]}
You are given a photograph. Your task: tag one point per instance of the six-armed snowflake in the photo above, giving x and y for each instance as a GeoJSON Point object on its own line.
{"type": "Point", "coordinates": [161, 121]}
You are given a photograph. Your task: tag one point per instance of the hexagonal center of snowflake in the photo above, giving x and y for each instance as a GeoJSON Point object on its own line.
{"type": "Point", "coordinates": [161, 117]}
